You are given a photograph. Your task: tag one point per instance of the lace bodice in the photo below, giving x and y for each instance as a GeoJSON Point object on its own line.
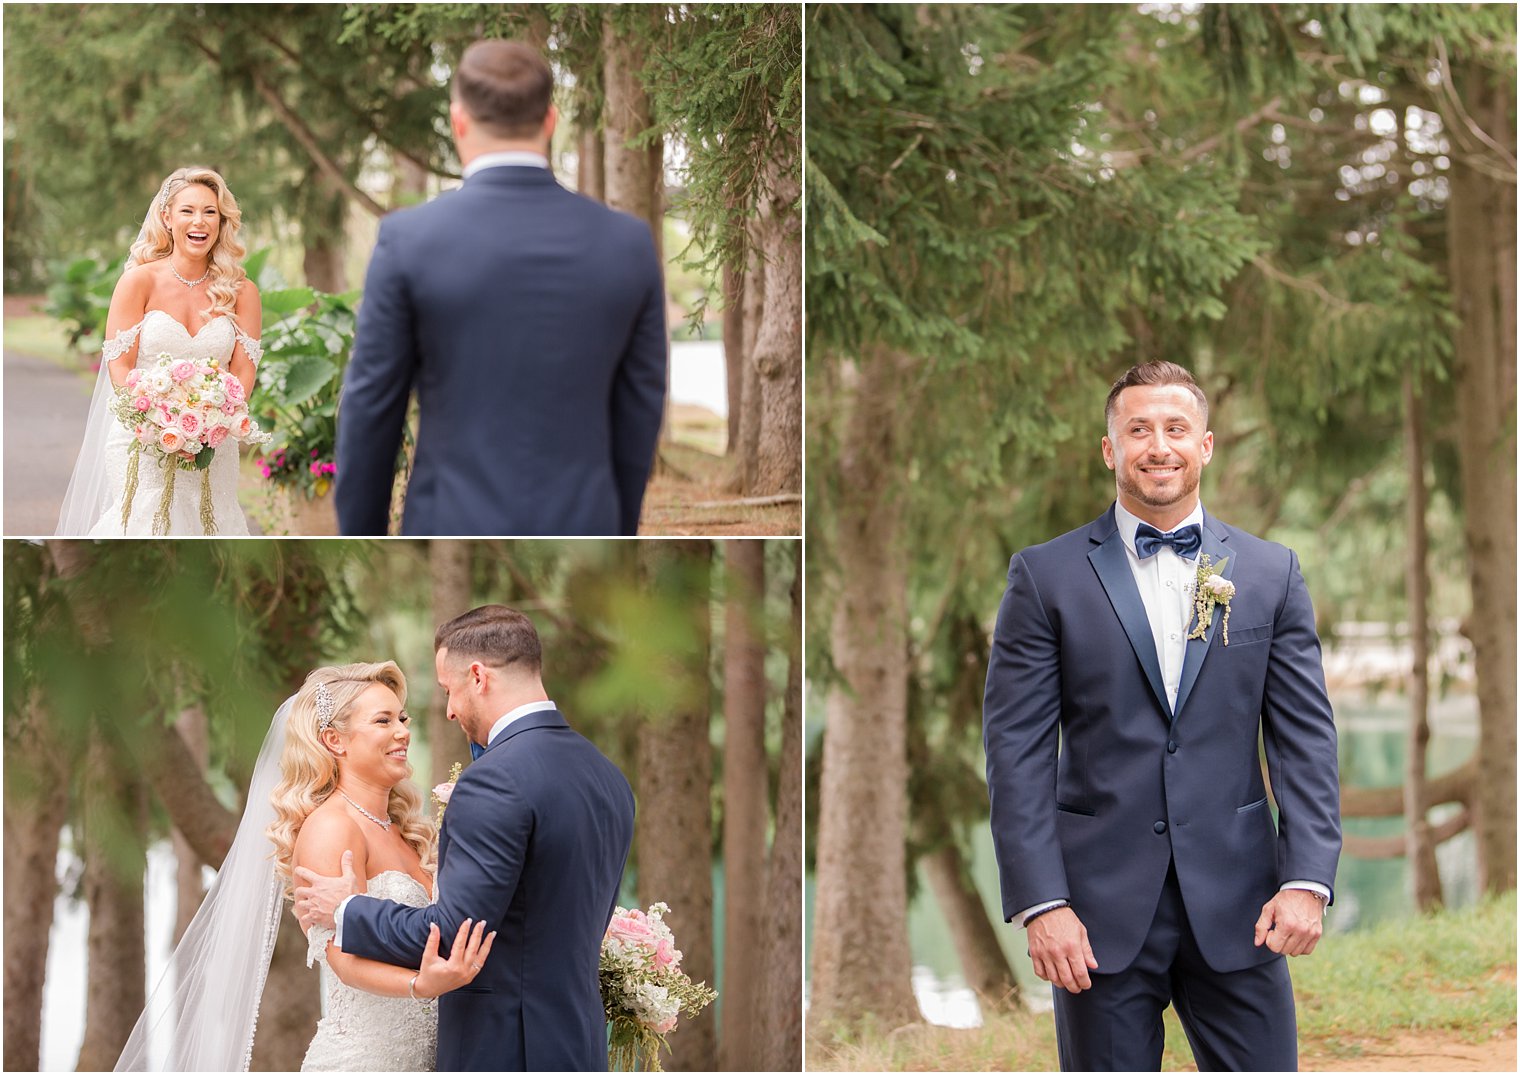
{"type": "Point", "coordinates": [364, 1032]}
{"type": "Point", "coordinates": [159, 332]}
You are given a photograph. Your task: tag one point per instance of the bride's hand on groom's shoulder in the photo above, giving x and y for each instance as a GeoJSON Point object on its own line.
{"type": "Point", "coordinates": [1060, 951]}
{"type": "Point", "coordinates": [438, 975]}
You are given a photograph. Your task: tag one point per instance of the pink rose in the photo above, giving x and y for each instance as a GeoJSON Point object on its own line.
{"type": "Point", "coordinates": [190, 423]}
{"type": "Point", "coordinates": [142, 403]}
{"type": "Point", "coordinates": [133, 376]}
{"type": "Point", "coordinates": [171, 440]}
{"type": "Point", "coordinates": [631, 928]}
{"type": "Point", "coordinates": [235, 390]}
{"type": "Point", "coordinates": [665, 1026]}
{"type": "Point", "coordinates": [441, 792]}
{"type": "Point", "coordinates": [229, 408]}
{"type": "Point", "coordinates": [243, 426]}
{"type": "Point", "coordinates": [182, 370]}
{"type": "Point", "coordinates": [216, 436]}
{"type": "Point", "coordinates": [665, 955]}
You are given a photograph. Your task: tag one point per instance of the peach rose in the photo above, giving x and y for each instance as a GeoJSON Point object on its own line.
{"type": "Point", "coordinates": [171, 440]}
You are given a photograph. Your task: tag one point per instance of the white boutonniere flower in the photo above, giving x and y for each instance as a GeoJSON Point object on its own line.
{"type": "Point", "coordinates": [441, 792]}
{"type": "Point", "coordinates": [1213, 589]}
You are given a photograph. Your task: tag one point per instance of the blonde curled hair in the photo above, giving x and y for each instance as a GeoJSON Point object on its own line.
{"type": "Point", "coordinates": [155, 242]}
{"type": "Point", "coordinates": [309, 771]}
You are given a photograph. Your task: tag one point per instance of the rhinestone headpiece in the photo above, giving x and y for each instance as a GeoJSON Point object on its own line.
{"type": "Point", "coordinates": [326, 707]}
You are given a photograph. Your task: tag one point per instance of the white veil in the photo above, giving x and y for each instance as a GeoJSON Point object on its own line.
{"type": "Point", "coordinates": [202, 1013]}
{"type": "Point", "coordinates": [85, 500]}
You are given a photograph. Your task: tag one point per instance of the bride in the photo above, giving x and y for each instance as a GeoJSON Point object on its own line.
{"type": "Point", "coordinates": [330, 782]}
{"type": "Point", "coordinates": [183, 293]}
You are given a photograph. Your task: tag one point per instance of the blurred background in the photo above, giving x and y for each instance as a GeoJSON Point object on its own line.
{"type": "Point", "coordinates": [324, 117]}
{"type": "Point", "coordinates": [1313, 208]}
{"type": "Point", "coordinates": [141, 677]}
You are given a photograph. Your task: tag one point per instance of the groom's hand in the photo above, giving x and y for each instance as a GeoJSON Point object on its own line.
{"type": "Point", "coordinates": [1291, 922]}
{"type": "Point", "coordinates": [317, 897]}
{"type": "Point", "coordinates": [1058, 945]}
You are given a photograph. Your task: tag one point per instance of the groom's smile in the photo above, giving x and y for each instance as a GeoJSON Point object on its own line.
{"type": "Point", "coordinates": [1157, 446]}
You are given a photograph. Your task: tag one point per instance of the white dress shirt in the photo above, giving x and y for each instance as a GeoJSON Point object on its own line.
{"type": "Point", "coordinates": [519, 158]}
{"type": "Point", "coordinates": [496, 729]}
{"type": "Point", "coordinates": [1165, 581]}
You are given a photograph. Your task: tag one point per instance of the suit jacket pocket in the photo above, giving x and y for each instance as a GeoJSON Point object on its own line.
{"type": "Point", "coordinates": [479, 990]}
{"type": "Point", "coordinates": [1251, 806]}
{"type": "Point", "coordinates": [1068, 808]}
{"type": "Point", "coordinates": [1245, 636]}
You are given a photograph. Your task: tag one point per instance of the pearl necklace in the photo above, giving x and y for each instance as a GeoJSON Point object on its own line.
{"type": "Point", "coordinates": [192, 283]}
{"type": "Point", "coordinates": [383, 822]}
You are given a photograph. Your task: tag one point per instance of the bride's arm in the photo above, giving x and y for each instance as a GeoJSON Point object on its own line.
{"type": "Point", "coordinates": [128, 305]}
{"type": "Point", "coordinates": [250, 318]}
{"type": "Point", "coordinates": [320, 846]}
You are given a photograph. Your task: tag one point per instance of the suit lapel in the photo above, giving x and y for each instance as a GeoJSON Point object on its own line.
{"type": "Point", "coordinates": [1111, 562]}
{"type": "Point", "coordinates": [1198, 649]}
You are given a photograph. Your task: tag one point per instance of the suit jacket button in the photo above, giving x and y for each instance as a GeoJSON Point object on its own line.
{"type": "Point", "coordinates": [1171, 747]}
{"type": "Point", "coordinates": [1160, 827]}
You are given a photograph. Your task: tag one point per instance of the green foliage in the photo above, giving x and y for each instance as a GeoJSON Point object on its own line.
{"type": "Point", "coordinates": [308, 337]}
{"type": "Point", "coordinates": [80, 297]}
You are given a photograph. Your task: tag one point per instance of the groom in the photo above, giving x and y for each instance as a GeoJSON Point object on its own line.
{"type": "Point", "coordinates": [1133, 831]}
{"type": "Point", "coordinates": [534, 840]}
{"type": "Point", "coordinates": [530, 321]}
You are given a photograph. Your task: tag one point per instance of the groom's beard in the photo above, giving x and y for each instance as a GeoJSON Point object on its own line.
{"type": "Point", "coordinates": [1181, 487]}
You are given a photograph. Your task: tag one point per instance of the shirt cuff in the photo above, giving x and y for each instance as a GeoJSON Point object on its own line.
{"type": "Point", "coordinates": [1023, 916]}
{"type": "Point", "coordinates": [1309, 886]}
{"type": "Point", "coordinates": [338, 921]}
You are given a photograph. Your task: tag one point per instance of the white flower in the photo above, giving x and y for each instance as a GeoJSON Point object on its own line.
{"type": "Point", "coordinates": [1220, 587]}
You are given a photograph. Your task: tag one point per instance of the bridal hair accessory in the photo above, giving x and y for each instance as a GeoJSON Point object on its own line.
{"type": "Point", "coordinates": [326, 707]}
{"type": "Point", "coordinates": [1212, 589]}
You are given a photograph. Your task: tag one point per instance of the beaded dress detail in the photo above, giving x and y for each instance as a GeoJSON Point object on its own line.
{"type": "Point", "coordinates": [364, 1032]}
{"type": "Point", "coordinates": [160, 333]}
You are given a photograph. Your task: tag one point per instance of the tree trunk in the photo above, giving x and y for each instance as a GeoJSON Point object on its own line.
{"type": "Point", "coordinates": [733, 352]}
{"type": "Point", "coordinates": [36, 805]}
{"type": "Point", "coordinates": [114, 864]}
{"type": "Point", "coordinates": [1481, 244]}
{"type": "Point", "coordinates": [781, 999]}
{"type": "Point", "coordinates": [451, 564]}
{"type": "Point", "coordinates": [745, 800]}
{"type": "Point", "coordinates": [750, 396]}
{"type": "Point", "coordinates": [983, 963]}
{"type": "Point", "coordinates": [861, 961]}
{"type": "Point", "coordinates": [634, 177]}
{"type": "Point", "coordinates": [1420, 848]}
{"type": "Point", "coordinates": [591, 155]}
{"type": "Point", "coordinates": [322, 263]}
{"type": "Point", "coordinates": [674, 821]}
{"type": "Point", "coordinates": [411, 182]}
{"type": "Point", "coordinates": [188, 887]}
{"type": "Point", "coordinates": [778, 341]}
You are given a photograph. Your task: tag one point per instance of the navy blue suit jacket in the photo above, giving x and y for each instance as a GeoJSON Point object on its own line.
{"type": "Point", "coordinates": [534, 841]}
{"type": "Point", "coordinates": [531, 322]}
{"type": "Point", "coordinates": [1136, 785]}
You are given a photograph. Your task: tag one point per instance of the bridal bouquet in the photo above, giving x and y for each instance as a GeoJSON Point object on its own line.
{"type": "Point", "coordinates": [644, 989]}
{"type": "Point", "coordinates": [182, 410]}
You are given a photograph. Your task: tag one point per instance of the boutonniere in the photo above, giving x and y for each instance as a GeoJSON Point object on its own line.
{"type": "Point", "coordinates": [442, 792]}
{"type": "Point", "coordinates": [1211, 589]}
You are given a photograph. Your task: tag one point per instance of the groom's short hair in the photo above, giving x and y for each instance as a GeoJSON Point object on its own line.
{"type": "Point", "coordinates": [505, 86]}
{"type": "Point", "coordinates": [1155, 373]}
{"type": "Point", "coordinates": [495, 634]}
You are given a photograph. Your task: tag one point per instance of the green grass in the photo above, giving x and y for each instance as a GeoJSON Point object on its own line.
{"type": "Point", "coordinates": [1451, 973]}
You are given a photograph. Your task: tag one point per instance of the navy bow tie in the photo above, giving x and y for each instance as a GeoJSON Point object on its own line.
{"type": "Point", "coordinates": [1185, 540]}
{"type": "Point", "coordinates": [476, 750]}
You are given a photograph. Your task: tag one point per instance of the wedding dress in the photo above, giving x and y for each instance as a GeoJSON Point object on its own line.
{"type": "Point", "coordinates": [94, 501]}
{"type": "Point", "coordinates": [362, 1031]}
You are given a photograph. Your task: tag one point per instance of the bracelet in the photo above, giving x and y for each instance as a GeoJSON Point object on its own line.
{"type": "Point", "coordinates": [1043, 911]}
{"type": "Point", "coordinates": [411, 991]}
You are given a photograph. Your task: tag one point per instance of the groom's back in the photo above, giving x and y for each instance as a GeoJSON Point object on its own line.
{"type": "Point", "coordinates": [537, 325]}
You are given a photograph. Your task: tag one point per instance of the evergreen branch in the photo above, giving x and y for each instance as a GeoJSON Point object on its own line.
{"type": "Point", "coordinates": [1467, 120]}
{"type": "Point", "coordinates": [1272, 272]}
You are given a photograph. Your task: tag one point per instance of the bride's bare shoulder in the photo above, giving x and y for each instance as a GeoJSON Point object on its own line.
{"type": "Point", "coordinates": [137, 281]}
{"type": "Point", "coordinates": [327, 832]}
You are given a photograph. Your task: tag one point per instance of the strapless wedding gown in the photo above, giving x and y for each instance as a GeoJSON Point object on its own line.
{"type": "Point", "coordinates": [158, 333]}
{"type": "Point", "coordinates": [362, 1031]}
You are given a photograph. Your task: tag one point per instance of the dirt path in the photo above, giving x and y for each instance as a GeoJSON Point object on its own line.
{"type": "Point", "coordinates": [1420, 1050]}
